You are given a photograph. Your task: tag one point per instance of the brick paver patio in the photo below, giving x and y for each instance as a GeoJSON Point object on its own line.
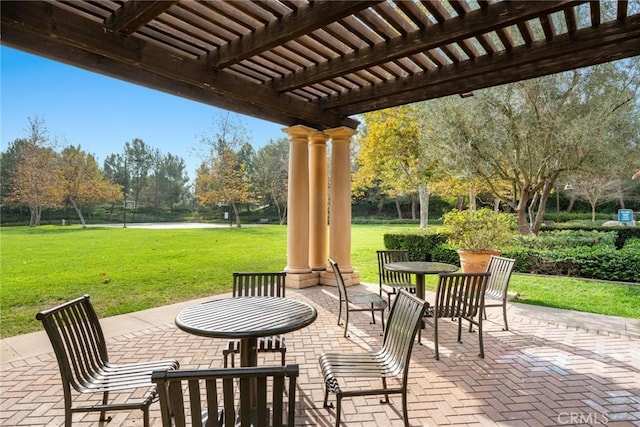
{"type": "Point", "coordinates": [538, 373]}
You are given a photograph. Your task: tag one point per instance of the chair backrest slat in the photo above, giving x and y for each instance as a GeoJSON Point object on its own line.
{"type": "Point", "coordinates": [402, 326]}
{"type": "Point", "coordinates": [77, 340]}
{"type": "Point", "coordinates": [271, 284]}
{"type": "Point", "coordinates": [460, 294]}
{"type": "Point", "coordinates": [342, 288]}
{"type": "Point", "coordinates": [268, 408]}
{"type": "Point", "coordinates": [501, 269]}
{"type": "Point", "coordinates": [392, 278]}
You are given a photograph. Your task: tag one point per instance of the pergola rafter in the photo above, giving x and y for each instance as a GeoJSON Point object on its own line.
{"type": "Point", "coordinates": [318, 63]}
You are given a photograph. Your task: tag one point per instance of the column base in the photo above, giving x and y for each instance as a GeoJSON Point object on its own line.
{"type": "Point", "coordinates": [329, 279]}
{"type": "Point", "coordinates": [302, 280]}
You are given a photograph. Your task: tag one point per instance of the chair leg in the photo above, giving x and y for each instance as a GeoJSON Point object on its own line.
{"type": "Point", "coordinates": [225, 361]}
{"type": "Point", "coordinates": [405, 411]}
{"type": "Point", "coordinates": [338, 409]}
{"type": "Point", "coordinates": [386, 395]}
{"type": "Point", "coordinates": [145, 416]}
{"type": "Point", "coordinates": [282, 356]}
{"type": "Point", "coordinates": [373, 317]}
{"type": "Point", "coordinates": [504, 315]}
{"type": "Point", "coordinates": [326, 396]}
{"type": "Point", "coordinates": [382, 319]}
{"type": "Point", "coordinates": [103, 413]}
{"type": "Point", "coordinates": [480, 337]}
{"type": "Point", "coordinates": [346, 323]}
{"type": "Point", "coordinates": [435, 336]}
{"type": "Point", "coordinates": [68, 415]}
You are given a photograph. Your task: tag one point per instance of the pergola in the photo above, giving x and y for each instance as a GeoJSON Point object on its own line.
{"type": "Point", "coordinates": [312, 65]}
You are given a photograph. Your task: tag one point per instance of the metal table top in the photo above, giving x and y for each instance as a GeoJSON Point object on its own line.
{"type": "Point", "coordinates": [421, 267]}
{"type": "Point", "coordinates": [246, 317]}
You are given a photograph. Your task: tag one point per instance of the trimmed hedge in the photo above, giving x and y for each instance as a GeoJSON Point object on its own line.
{"type": "Point", "coordinates": [594, 262]}
{"type": "Point", "coordinates": [419, 245]}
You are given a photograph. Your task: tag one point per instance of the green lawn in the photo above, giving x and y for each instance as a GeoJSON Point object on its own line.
{"type": "Point", "coordinates": [126, 270]}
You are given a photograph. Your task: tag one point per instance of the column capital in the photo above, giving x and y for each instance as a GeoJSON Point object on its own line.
{"type": "Point", "coordinates": [299, 131]}
{"type": "Point", "coordinates": [342, 132]}
{"type": "Point", "coordinates": [318, 138]}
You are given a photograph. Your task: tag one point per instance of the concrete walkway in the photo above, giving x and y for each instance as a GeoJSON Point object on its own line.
{"type": "Point", "coordinates": [553, 367]}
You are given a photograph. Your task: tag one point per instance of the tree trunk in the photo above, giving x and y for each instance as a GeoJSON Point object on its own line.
{"type": "Point", "coordinates": [283, 219]}
{"type": "Point", "coordinates": [572, 200]}
{"type": "Point", "coordinates": [237, 214]}
{"type": "Point", "coordinates": [423, 193]}
{"type": "Point", "coordinates": [110, 212]}
{"type": "Point", "coordinates": [36, 214]}
{"type": "Point", "coordinates": [473, 206]}
{"type": "Point", "coordinates": [542, 207]}
{"type": "Point", "coordinates": [521, 214]}
{"type": "Point", "coordinates": [413, 207]}
{"type": "Point", "coordinates": [75, 206]}
{"type": "Point", "coordinates": [620, 194]}
{"type": "Point", "coordinates": [398, 209]}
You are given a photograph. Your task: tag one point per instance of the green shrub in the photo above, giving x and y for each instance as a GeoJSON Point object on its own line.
{"type": "Point", "coordinates": [556, 239]}
{"type": "Point", "coordinates": [445, 253]}
{"type": "Point", "coordinates": [480, 230]}
{"type": "Point", "coordinates": [419, 245]}
{"type": "Point", "coordinates": [577, 253]}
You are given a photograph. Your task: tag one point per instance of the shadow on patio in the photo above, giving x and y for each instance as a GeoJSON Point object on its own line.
{"type": "Point", "coordinates": [540, 372]}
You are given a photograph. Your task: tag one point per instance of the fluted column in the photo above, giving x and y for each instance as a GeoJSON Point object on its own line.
{"type": "Point", "coordinates": [318, 201]}
{"type": "Point", "coordinates": [298, 200]}
{"type": "Point", "coordinates": [340, 198]}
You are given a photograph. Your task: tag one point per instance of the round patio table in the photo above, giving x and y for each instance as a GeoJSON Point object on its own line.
{"type": "Point", "coordinates": [420, 268]}
{"type": "Point", "coordinates": [247, 319]}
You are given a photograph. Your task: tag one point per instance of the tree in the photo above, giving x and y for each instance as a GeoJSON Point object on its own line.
{"type": "Point", "coordinates": [83, 182]}
{"type": "Point", "coordinates": [172, 179]}
{"type": "Point", "coordinates": [532, 132]}
{"type": "Point", "coordinates": [36, 180]}
{"type": "Point", "coordinates": [271, 170]}
{"type": "Point", "coordinates": [596, 189]}
{"type": "Point", "coordinates": [390, 154]}
{"type": "Point", "coordinates": [138, 159]}
{"type": "Point", "coordinates": [222, 178]}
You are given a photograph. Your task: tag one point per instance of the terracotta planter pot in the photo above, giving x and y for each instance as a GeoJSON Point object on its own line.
{"type": "Point", "coordinates": [475, 262]}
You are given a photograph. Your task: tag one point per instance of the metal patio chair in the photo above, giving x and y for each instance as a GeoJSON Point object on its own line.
{"type": "Point", "coordinates": [459, 296]}
{"type": "Point", "coordinates": [78, 341]}
{"type": "Point", "coordinates": [498, 284]}
{"type": "Point", "coordinates": [271, 284]}
{"type": "Point", "coordinates": [224, 396]}
{"type": "Point", "coordinates": [356, 302]}
{"type": "Point", "coordinates": [391, 281]}
{"type": "Point", "coordinates": [392, 360]}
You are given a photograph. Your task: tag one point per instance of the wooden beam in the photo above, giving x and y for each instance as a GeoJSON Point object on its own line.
{"type": "Point", "coordinates": [315, 15]}
{"type": "Point", "coordinates": [92, 62]}
{"type": "Point", "coordinates": [588, 46]}
{"type": "Point", "coordinates": [135, 14]}
{"type": "Point", "coordinates": [77, 32]}
{"type": "Point", "coordinates": [54, 49]}
{"type": "Point", "coordinates": [473, 24]}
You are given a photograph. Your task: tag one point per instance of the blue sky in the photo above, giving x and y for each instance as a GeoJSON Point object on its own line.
{"type": "Point", "coordinates": [101, 113]}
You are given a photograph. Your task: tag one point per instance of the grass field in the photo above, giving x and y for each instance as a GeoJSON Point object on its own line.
{"type": "Point", "coordinates": [131, 269]}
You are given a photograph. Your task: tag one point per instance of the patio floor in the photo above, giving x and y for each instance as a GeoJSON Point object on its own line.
{"type": "Point", "coordinates": [553, 367]}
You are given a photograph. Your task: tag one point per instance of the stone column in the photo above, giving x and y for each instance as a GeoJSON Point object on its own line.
{"type": "Point", "coordinates": [340, 198]}
{"type": "Point", "coordinates": [318, 201]}
{"type": "Point", "coordinates": [298, 201]}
